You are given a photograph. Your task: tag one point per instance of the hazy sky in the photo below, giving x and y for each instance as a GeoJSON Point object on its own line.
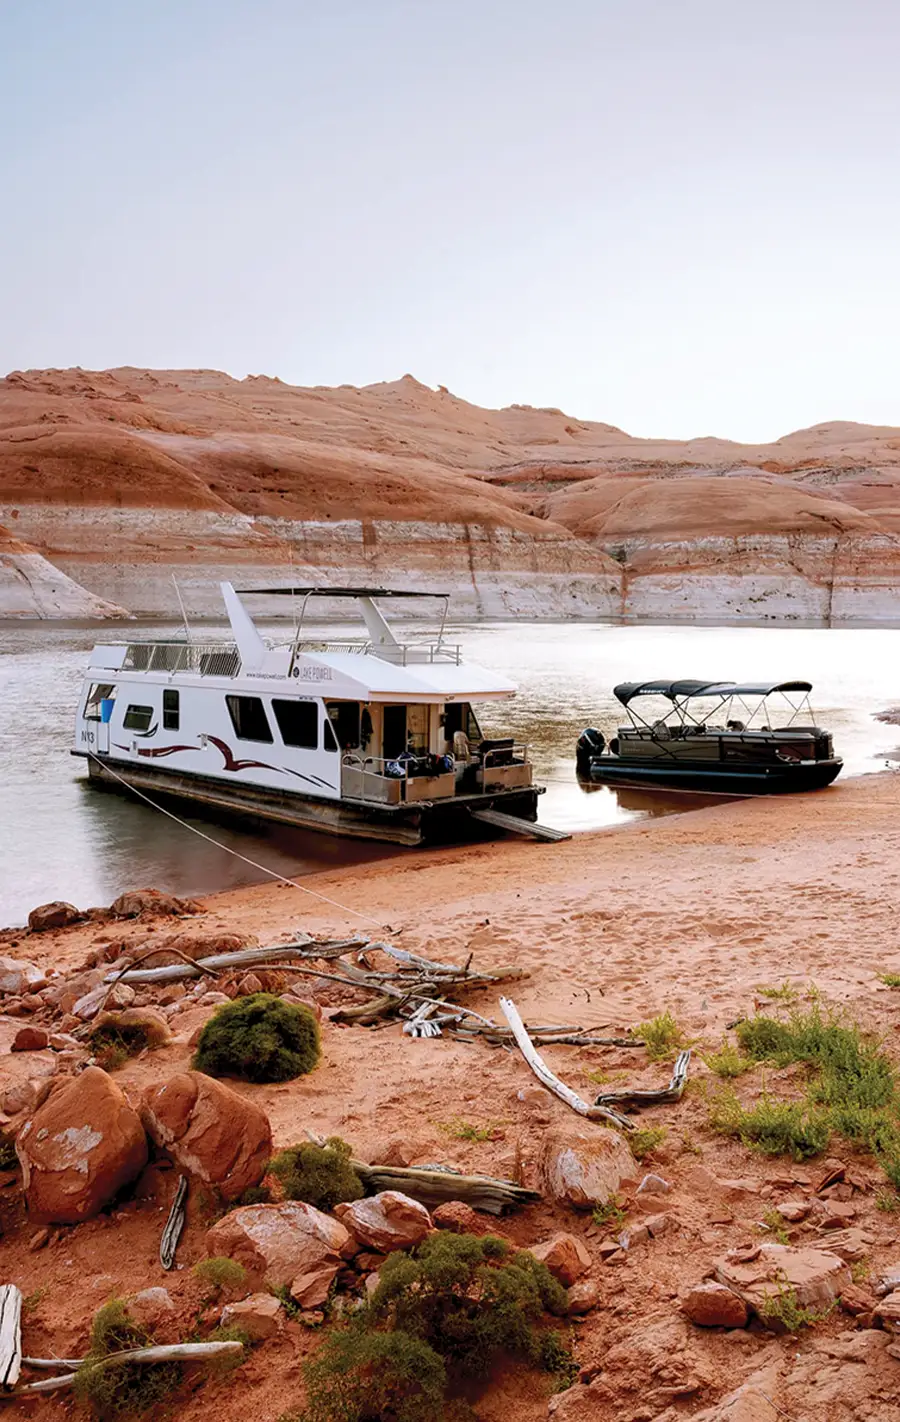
{"type": "Point", "coordinates": [678, 216]}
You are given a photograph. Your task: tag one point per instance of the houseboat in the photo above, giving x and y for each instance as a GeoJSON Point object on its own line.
{"type": "Point", "coordinates": [371, 737]}
{"type": "Point", "coordinates": [723, 738]}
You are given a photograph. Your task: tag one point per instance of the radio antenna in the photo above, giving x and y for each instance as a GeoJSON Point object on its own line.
{"type": "Point", "coordinates": [184, 616]}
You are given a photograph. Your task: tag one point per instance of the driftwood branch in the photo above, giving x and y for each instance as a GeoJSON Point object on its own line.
{"type": "Point", "coordinates": [10, 1335]}
{"type": "Point", "coordinates": [164, 1353]}
{"type": "Point", "coordinates": [435, 1185]}
{"type": "Point", "coordinates": [650, 1097]}
{"type": "Point", "coordinates": [547, 1077]}
{"type": "Point", "coordinates": [174, 1225]}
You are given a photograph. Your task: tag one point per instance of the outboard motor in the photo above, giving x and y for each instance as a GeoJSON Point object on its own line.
{"type": "Point", "coordinates": [590, 744]}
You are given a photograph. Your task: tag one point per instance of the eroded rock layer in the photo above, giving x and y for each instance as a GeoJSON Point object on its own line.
{"type": "Point", "coordinates": [111, 482]}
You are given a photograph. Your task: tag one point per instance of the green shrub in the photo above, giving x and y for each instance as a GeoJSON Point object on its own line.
{"type": "Point", "coordinates": [783, 1311]}
{"type": "Point", "coordinates": [609, 1216]}
{"type": "Point", "coordinates": [221, 1272]}
{"type": "Point", "coordinates": [259, 1038]}
{"type": "Point", "coordinates": [471, 1299]}
{"type": "Point", "coordinates": [771, 1126]}
{"type": "Point", "coordinates": [113, 1044]}
{"type": "Point", "coordinates": [643, 1140]}
{"type": "Point", "coordinates": [728, 1062]}
{"type": "Point", "coordinates": [358, 1375]}
{"type": "Point", "coordinates": [786, 993]}
{"type": "Point", "coordinates": [892, 979]}
{"type": "Point", "coordinates": [113, 1389]}
{"type": "Point", "coordinates": [254, 1195]}
{"type": "Point", "coordinates": [320, 1175]}
{"type": "Point", "coordinates": [662, 1036]}
{"type": "Point", "coordinates": [460, 1130]}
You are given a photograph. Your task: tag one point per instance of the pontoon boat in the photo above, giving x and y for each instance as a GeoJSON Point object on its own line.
{"type": "Point", "coordinates": [717, 737]}
{"type": "Point", "coordinates": [371, 737]}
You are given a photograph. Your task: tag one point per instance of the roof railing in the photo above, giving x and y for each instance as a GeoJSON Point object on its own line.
{"type": "Point", "coordinates": [203, 658]}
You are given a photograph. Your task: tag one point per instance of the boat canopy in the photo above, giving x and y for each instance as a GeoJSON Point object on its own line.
{"type": "Point", "coordinates": [685, 690]}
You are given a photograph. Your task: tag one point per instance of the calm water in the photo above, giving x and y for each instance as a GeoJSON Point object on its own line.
{"type": "Point", "coordinates": [60, 839]}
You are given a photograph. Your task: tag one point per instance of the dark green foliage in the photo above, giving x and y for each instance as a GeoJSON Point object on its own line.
{"type": "Point", "coordinates": [471, 1299]}
{"type": "Point", "coordinates": [254, 1195]}
{"type": "Point", "coordinates": [8, 1158]}
{"type": "Point", "coordinates": [320, 1175]}
{"type": "Point", "coordinates": [439, 1319]}
{"type": "Point", "coordinates": [121, 1389]}
{"type": "Point", "coordinates": [259, 1038]}
{"type": "Point", "coordinates": [362, 1376]}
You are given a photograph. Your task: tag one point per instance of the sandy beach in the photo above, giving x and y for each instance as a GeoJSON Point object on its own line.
{"type": "Point", "coordinates": [691, 914]}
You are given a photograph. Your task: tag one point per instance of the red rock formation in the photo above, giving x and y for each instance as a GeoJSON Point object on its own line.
{"type": "Point", "coordinates": [120, 478]}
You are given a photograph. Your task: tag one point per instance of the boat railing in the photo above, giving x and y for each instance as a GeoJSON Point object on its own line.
{"type": "Point", "coordinates": [401, 653]}
{"type": "Point", "coordinates": [204, 658]}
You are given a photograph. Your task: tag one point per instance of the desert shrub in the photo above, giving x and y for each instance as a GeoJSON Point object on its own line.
{"type": "Point", "coordinates": [662, 1036]}
{"type": "Point", "coordinates": [113, 1389]}
{"type": "Point", "coordinates": [644, 1140]}
{"type": "Point", "coordinates": [259, 1038]}
{"type": "Point", "coordinates": [892, 979]}
{"type": "Point", "coordinates": [853, 1087]}
{"type": "Point", "coordinates": [471, 1299]}
{"type": "Point", "coordinates": [320, 1175]}
{"type": "Point", "coordinates": [221, 1272]}
{"type": "Point", "coordinates": [8, 1158]}
{"type": "Point", "coordinates": [772, 1126]}
{"type": "Point", "coordinates": [611, 1215]}
{"type": "Point", "coordinates": [728, 1062]}
{"type": "Point", "coordinates": [359, 1374]}
{"type": "Point", "coordinates": [783, 1312]}
{"type": "Point", "coordinates": [112, 1045]}
{"type": "Point", "coordinates": [254, 1195]}
{"type": "Point", "coordinates": [786, 993]}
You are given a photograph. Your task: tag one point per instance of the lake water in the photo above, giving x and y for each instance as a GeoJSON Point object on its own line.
{"type": "Point", "coordinates": [62, 839]}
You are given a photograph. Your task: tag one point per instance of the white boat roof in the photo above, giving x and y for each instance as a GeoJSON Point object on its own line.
{"type": "Point", "coordinates": [369, 678]}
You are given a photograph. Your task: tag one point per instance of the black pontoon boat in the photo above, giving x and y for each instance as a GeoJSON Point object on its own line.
{"type": "Point", "coordinates": [715, 737]}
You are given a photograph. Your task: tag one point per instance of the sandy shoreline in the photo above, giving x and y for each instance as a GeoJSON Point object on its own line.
{"type": "Point", "coordinates": [691, 914]}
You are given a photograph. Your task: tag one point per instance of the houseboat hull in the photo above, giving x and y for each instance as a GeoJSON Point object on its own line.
{"type": "Point", "coordinates": [421, 822]}
{"type": "Point", "coordinates": [775, 779]}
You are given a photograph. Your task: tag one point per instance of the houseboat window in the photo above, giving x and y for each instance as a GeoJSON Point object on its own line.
{"type": "Point", "coordinates": [138, 718]}
{"type": "Point", "coordinates": [249, 719]}
{"type": "Point", "coordinates": [100, 691]}
{"type": "Point", "coordinates": [459, 716]}
{"type": "Point", "coordinates": [344, 717]}
{"type": "Point", "coordinates": [328, 736]}
{"type": "Point", "coordinates": [298, 722]}
{"type": "Point", "coordinates": [171, 712]}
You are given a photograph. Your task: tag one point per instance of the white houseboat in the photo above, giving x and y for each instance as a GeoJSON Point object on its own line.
{"type": "Point", "coordinates": [374, 738]}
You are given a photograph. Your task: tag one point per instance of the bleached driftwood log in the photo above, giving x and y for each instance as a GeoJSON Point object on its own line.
{"type": "Point", "coordinates": [174, 1225]}
{"type": "Point", "coordinates": [436, 1186]}
{"type": "Point", "coordinates": [547, 1078]}
{"type": "Point", "coordinates": [10, 1335]}
{"type": "Point", "coordinates": [649, 1096]}
{"type": "Point", "coordinates": [163, 1353]}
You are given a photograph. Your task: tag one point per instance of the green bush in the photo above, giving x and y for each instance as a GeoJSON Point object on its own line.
{"type": "Point", "coordinates": [112, 1389]}
{"type": "Point", "coordinates": [662, 1036]}
{"type": "Point", "coordinates": [112, 1045]}
{"type": "Point", "coordinates": [320, 1175]}
{"type": "Point", "coordinates": [437, 1322]}
{"type": "Point", "coordinates": [359, 1375]}
{"type": "Point", "coordinates": [471, 1299]}
{"type": "Point", "coordinates": [772, 1126]}
{"type": "Point", "coordinates": [259, 1038]}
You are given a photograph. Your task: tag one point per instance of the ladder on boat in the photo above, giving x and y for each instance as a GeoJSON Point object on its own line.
{"type": "Point", "coordinates": [517, 826]}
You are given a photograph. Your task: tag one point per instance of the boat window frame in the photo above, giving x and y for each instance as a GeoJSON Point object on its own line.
{"type": "Point", "coordinates": [141, 723]}
{"type": "Point", "coordinates": [99, 691]}
{"type": "Point", "coordinates": [296, 704]}
{"type": "Point", "coordinates": [171, 714]}
{"type": "Point", "coordinates": [238, 696]}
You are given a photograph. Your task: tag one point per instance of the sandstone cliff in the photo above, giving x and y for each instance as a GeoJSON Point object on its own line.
{"type": "Point", "coordinates": [118, 479]}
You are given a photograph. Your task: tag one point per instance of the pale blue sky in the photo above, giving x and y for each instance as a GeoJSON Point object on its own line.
{"type": "Point", "coordinates": [679, 216]}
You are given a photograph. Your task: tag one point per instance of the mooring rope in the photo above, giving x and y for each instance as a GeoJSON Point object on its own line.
{"type": "Point", "coordinates": [272, 873]}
